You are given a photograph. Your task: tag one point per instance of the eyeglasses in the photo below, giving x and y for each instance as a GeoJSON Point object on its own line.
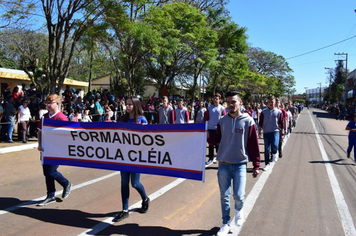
{"type": "Point", "coordinates": [49, 103]}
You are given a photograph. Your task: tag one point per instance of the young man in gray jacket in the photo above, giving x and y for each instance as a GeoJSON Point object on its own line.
{"type": "Point", "coordinates": [272, 124]}
{"type": "Point", "coordinates": [236, 133]}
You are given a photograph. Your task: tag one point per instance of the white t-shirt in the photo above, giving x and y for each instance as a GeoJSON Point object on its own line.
{"type": "Point", "coordinates": [25, 114]}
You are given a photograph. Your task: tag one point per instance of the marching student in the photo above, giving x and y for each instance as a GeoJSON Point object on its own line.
{"type": "Point", "coordinates": [135, 115]}
{"type": "Point", "coordinates": [236, 133]}
{"type": "Point", "coordinates": [271, 121]}
{"type": "Point", "coordinates": [199, 113]}
{"type": "Point", "coordinates": [284, 115]}
{"type": "Point", "coordinates": [212, 115]}
{"type": "Point", "coordinates": [165, 114]}
{"type": "Point", "coordinates": [50, 171]}
{"type": "Point", "coordinates": [181, 113]}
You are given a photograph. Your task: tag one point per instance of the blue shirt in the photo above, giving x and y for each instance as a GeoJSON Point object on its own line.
{"type": "Point", "coordinates": [141, 120]}
{"type": "Point", "coordinates": [97, 106]}
{"type": "Point", "coordinates": [352, 125]}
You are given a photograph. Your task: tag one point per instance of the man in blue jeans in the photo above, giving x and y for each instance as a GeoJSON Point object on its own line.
{"type": "Point", "coordinates": [212, 115]}
{"type": "Point", "coordinates": [10, 114]}
{"type": "Point", "coordinates": [236, 133]}
{"type": "Point", "coordinates": [271, 121]}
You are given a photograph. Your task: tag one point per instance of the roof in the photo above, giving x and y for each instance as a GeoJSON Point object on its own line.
{"type": "Point", "coordinates": [102, 76]}
{"type": "Point", "coordinates": [21, 75]}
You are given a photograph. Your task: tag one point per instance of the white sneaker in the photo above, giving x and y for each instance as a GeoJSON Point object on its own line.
{"type": "Point", "coordinates": [239, 218]}
{"type": "Point", "coordinates": [214, 161]}
{"type": "Point", "coordinates": [275, 158]}
{"type": "Point", "coordinates": [224, 230]}
{"type": "Point", "coordinates": [267, 167]}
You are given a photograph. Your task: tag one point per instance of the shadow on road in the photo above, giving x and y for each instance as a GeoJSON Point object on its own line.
{"type": "Point", "coordinates": [335, 162]}
{"type": "Point", "coordinates": [324, 115]}
{"type": "Point", "coordinates": [85, 220]}
{"type": "Point", "coordinates": [135, 229]}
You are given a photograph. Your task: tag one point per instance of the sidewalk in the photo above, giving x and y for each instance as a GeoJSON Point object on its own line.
{"type": "Point", "coordinates": [6, 147]}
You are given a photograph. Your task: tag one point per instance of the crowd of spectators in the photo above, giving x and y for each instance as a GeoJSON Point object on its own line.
{"type": "Point", "coordinates": [26, 107]}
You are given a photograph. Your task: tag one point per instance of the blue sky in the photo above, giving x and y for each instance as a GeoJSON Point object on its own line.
{"type": "Point", "coordinates": [291, 28]}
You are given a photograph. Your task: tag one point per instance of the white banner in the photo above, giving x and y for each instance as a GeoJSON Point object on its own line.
{"type": "Point", "coordinates": [170, 150]}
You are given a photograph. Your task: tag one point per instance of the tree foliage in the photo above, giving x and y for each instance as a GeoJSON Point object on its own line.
{"type": "Point", "coordinates": [275, 69]}
{"type": "Point", "coordinates": [14, 11]}
{"type": "Point", "coordinates": [29, 49]}
{"type": "Point", "coordinates": [170, 42]}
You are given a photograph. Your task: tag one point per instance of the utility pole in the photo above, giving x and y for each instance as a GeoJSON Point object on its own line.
{"type": "Point", "coordinates": [327, 68]}
{"type": "Point", "coordinates": [305, 93]}
{"type": "Point", "coordinates": [345, 94]}
{"type": "Point", "coordinates": [319, 93]}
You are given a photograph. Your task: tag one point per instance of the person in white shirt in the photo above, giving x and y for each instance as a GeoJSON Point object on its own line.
{"type": "Point", "coordinates": [23, 117]}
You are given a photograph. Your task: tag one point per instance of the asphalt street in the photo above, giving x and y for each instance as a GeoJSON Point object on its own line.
{"type": "Point", "coordinates": [310, 191]}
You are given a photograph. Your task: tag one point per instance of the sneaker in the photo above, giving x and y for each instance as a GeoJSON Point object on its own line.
{"type": "Point", "coordinates": [275, 158]}
{"type": "Point", "coordinates": [66, 190]}
{"type": "Point", "coordinates": [215, 161]}
{"type": "Point", "coordinates": [47, 201]}
{"type": "Point", "coordinates": [267, 167]}
{"type": "Point", "coordinates": [348, 155]}
{"type": "Point", "coordinates": [145, 205]}
{"type": "Point", "coordinates": [209, 162]}
{"type": "Point", "coordinates": [280, 155]}
{"type": "Point", "coordinates": [224, 230]}
{"type": "Point", "coordinates": [122, 215]}
{"type": "Point", "coordinates": [238, 218]}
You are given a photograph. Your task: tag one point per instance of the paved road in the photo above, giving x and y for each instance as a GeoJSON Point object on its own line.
{"type": "Point", "coordinates": [308, 192]}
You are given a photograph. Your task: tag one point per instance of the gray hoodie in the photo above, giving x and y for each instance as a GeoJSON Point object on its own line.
{"type": "Point", "coordinates": [238, 140]}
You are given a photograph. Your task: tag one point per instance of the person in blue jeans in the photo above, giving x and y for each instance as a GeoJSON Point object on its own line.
{"type": "Point", "coordinates": [272, 124]}
{"type": "Point", "coordinates": [236, 134]}
{"type": "Point", "coordinates": [351, 126]}
{"type": "Point", "coordinates": [10, 115]}
{"type": "Point", "coordinates": [50, 171]}
{"type": "Point", "coordinates": [135, 115]}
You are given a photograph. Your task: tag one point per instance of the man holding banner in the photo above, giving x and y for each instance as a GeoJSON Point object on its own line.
{"type": "Point", "coordinates": [50, 171]}
{"type": "Point", "coordinates": [236, 134]}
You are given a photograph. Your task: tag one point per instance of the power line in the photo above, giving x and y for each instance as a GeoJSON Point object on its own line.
{"type": "Point", "coordinates": [321, 48]}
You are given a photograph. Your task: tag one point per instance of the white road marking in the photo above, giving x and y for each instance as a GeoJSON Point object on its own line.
{"type": "Point", "coordinates": [254, 194]}
{"type": "Point", "coordinates": [18, 148]}
{"type": "Point", "coordinates": [108, 222]}
{"type": "Point", "coordinates": [345, 215]}
{"type": "Point", "coordinates": [13, 208]}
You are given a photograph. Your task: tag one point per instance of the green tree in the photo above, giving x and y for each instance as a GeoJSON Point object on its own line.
{"type": "Point", "coordinates": [230, 65]}
{"type": "Point", "coordinates": [130, 41]}
{"type": "Point", "coordinates": [184, 47]}
{"type": "Point", "coordinates": [274, 67]}
{"type": "Point", "coordinates": [28, 48]}
{"type": "Point", "coordinates": [66, 22]}
{"type": "Point", "coordinates": [14, 11]}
